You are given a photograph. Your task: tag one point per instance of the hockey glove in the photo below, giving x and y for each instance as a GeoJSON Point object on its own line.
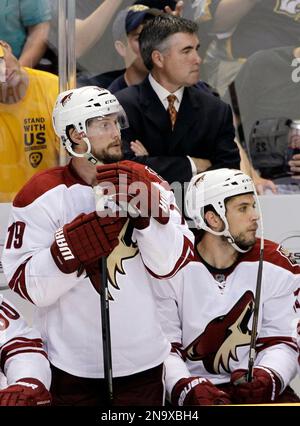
{"type": "Point", "coordinates": [197, 391]}
{"type": "Point", "coordinates": [264, 387]}
{"type": "Point", "coordinates": [94, 272]}
{"type": "Point", "coordinates": [84, 240]}
{"type": "Point", "coordinates": [140, 191]}
{"type": "Point", "coordinates": [25, 392]}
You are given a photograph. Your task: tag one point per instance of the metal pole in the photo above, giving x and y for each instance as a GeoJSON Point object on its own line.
{"type": "Point", "coordinates": [71, 44]}
{"type": "Point", "coordinates": [66, 53]}
{"type": "Point", "coordinates": [62, 44]}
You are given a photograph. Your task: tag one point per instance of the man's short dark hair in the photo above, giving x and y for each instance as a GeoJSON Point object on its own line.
{"type": "Point", "coordinates": [156, 31]}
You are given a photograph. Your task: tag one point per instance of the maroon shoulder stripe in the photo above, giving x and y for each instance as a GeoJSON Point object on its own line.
{"type": "Point", "coordinates": [186, 256]}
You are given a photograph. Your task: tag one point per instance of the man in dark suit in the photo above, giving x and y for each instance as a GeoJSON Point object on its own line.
{"type": "Point", "coordinates": [199, 134]}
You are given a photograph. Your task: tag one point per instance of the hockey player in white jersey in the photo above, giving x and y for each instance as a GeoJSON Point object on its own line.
{"type": "Point", "coordinates": [55, 240]}
{"type": "Point", "coordinates": [207, 308]}
{"type": "Point", "coordinates": [298, 341]}
{"type": "Point", "coordinates": [23, 361]}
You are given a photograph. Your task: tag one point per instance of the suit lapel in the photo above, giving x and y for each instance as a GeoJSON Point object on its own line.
{"type": "Point", "coordinates": [152, 108]}
{"type": "Point", "coordinates": [189, 113]}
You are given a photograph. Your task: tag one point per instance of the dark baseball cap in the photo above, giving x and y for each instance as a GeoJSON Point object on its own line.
{"type": "Point", "coordinates": [129, 19]}
{"type": "Point", "coordinates": [158, 4]}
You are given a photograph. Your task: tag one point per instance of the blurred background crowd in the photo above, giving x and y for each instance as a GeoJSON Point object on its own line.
{"type": "Point", "coordinates": [250, 58]}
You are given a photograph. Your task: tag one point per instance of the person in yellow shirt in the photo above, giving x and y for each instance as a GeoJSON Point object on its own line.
{"type": "Point", "coordinates": [27, 140]}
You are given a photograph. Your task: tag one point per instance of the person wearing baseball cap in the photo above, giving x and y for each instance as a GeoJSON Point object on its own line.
{"type": "Point", "coordinates": [126, 29]}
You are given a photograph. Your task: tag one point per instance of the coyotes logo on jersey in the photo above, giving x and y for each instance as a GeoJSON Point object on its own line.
{"type": "Point", "coordinates": [126, 249]}
{"type": "Point", "coordinates": [288, 7]}
{"type": "Point", "coordinates": [222, 336]}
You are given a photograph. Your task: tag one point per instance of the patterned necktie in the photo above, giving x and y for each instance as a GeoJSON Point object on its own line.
{"type": "Point", "coordinates": [172, 110]}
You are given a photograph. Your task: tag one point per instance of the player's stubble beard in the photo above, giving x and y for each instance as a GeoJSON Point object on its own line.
{"type": "Point", "coordinates": [106, 157]}
{"type": "Point", "coordinates": [245, 243]}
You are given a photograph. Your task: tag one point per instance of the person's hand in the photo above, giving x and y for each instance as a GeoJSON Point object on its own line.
{"type": "Point", "coordinates": [263, 185]}
{"type": "Point", "coordinates": [201, 164]}
{"type": "Point", "coordinates": [25, 392]}
{"type": "Point", "coordinates": [294, 164]}
{"type": "Point", "coordinates": [178, 9]}
{"type": "Point", "coordinates": [138, 148]}
{"type": "Point", "coordinates": [197, 391]}
{"type": "Point", "coordinates": [139, 191]}
{"type": "Point", "coordinates": [264, 387]}
{"type": "Point", "coordinates": [84, 240]}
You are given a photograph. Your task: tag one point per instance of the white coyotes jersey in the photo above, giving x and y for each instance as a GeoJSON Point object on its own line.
{"type": "Point", "coordinates": [21, 348]}
{"type": "Point", "coordinates": [68, 313]}
{"type": "Point", "coordinates": [210, 314]}
{"type": "Point", "coordinates": [298, 342]}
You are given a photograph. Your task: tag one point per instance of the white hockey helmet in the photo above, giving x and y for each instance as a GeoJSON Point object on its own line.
{"type": "Point", "coordinates": [76, 106]}
{"type": "Point", "coordinates": [213, 187]}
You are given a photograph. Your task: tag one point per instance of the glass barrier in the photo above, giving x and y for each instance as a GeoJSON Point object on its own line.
{"type": "Point", "coordinates": [253, 60]}
{"type": "Point", "coordinates": [255, 48]}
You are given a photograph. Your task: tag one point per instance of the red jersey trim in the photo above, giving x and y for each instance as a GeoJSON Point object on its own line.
{"type": "Point", "coordinates": [187, 255]}
{"type": "Point", "coordinates": [273, 253]}
{"type": "Point", "coordinates": [20, 345]}
{"type": "Point", "coordinates": [18, 281]}
{"type": "Point", "coordinates": [46, 180]}
{"type": "Point", "coordinates": [263, 343]}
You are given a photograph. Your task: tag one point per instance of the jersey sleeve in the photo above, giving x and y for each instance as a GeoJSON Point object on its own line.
{"type": "Point", "coordinates": [27, 262]}
{"type": "Point", "coordinates": [22, 353]}
{"type": "Point", "coordinates": [167, 294]}
{"type": "Point", "coordinates": [276, 344]}
{"type": "Point", "coordinates": [165, 249]}
{"type": "Point", "coordinates": [298, 344]}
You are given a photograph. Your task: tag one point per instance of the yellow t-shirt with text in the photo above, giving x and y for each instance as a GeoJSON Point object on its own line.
{"type": "Point", "coordinates": [27, 139]}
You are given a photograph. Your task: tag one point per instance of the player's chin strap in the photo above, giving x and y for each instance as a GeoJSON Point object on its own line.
{"type": "Point", "coordinates": [226, 233]}
{"type": "Point", "coordinates": [230, 238]}
{"type": "Point", "coordinates": [87, 154]}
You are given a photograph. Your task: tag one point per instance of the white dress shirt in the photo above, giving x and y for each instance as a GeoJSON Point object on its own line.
{"type": "Point", "coordinates": [163, 94]}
